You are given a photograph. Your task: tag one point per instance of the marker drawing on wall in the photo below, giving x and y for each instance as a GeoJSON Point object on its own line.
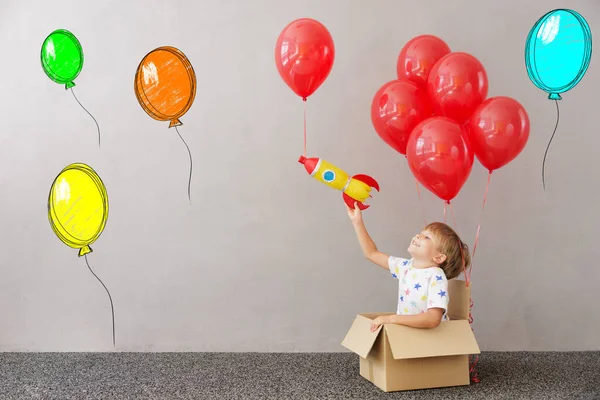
{"type": "Point", "coordinates": [557, 55]}
{"type": "Point", "coordinates": [165, 87]}
{"type": "Point", "coordinates": [62, 61]}
{"type": "Point", "coordinates": [77, 211]}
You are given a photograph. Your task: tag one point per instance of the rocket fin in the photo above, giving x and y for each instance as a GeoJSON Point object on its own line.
{"type": "Point", "coordinates": [368, 180]}
{"type": "Point", "coordinates": [350, 202]}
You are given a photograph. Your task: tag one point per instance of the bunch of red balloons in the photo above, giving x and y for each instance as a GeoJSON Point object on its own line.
{"type": "Point", "coordinates": [438, 115]}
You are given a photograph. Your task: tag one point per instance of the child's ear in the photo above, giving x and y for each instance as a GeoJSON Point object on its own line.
{"type": "Point", "coordinates": [439, 258]}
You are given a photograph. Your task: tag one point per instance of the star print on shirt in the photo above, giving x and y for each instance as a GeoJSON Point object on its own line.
{"type": "Point", "coordinates": [401, 298]}
{"type": "Point", "coordinates": [442, 293]}
{"type": "Point", "coordinates": [394, 275]}
{"type": "Point", "coordinates": [405, 262]}
{"type": "Point", "coordinates": [438, 277]}
{"type": "Point", "coordinates": [413, 304]}
{"type": "Point", "coordinates": [424, 297]}
{"type": "Point", "coordinates": [417, 286]}
{"type": "Point", "coordinates": [407, 291]}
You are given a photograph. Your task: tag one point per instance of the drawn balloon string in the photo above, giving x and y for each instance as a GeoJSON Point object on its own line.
{"type": "Point", "coordinates": [62, 61]}
{"type": "Point", "coordinates": [78, 211]}
{"type": "Point", "coordinates": [557, 55]}
{"type": "Point", "coordinates": [165, 87]}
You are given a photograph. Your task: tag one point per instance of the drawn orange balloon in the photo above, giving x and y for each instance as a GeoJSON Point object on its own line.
{"type": "Point", "coordinates": [165, 84]}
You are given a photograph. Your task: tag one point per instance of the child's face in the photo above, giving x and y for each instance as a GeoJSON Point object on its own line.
{"type": "Point", "coordinates": [424, 246]}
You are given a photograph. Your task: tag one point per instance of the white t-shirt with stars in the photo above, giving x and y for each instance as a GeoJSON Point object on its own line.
{"type": "Point", "coordinates": [419, 289]}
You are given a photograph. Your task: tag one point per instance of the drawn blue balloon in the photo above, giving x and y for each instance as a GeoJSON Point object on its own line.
{"type": "Point", "coordinates": [558, 51]}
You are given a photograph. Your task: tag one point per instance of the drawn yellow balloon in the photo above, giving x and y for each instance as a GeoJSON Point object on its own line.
{"type": "Point", "coordinates": [78, 207]}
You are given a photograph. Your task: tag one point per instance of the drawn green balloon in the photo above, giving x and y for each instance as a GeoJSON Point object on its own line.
{"type": "Point", "coordinates": [62, 57]}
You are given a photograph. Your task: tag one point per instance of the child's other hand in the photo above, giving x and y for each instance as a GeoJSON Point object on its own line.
{"type": "Point", "coordinates": [376, 323]}
{"type": "Point", "coordinates": [355, 213]}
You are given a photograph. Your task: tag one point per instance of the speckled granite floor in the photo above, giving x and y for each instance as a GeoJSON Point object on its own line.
{"type": "Point", "coordinates": [150, 376]}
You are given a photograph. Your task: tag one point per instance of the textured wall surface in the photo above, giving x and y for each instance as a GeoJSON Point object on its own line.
{"type": "Point", "coordinates": [265, 258]}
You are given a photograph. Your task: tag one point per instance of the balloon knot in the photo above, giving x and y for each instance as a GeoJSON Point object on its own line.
{"type": "Point", "coordinates": [304, 99]}
{"type": "Point", "coordinates": [175, 122]}
{"type": "Point", "coordinates": [85, 250]}
{"type": "Point", "coordinates": [554, 96]}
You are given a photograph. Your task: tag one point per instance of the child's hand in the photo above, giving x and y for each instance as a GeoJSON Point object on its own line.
{"type": "Point", "coordinates": [377, 322]}
{"type": "Point", "coordinates": [355, 214]}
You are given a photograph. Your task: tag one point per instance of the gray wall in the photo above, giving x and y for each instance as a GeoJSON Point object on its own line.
{"type": "Point", "coordinates": [265, 258]}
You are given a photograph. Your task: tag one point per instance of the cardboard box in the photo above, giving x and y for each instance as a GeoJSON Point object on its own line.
{"type": "Point", "coordinates": [397, 357]}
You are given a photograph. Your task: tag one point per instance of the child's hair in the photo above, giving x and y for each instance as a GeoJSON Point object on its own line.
{"type": "Point", "coordinates": [452, 246]}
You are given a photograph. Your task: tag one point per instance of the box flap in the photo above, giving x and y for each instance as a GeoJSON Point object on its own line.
{"type": "Point", "coordinates": [359, 338]}
{"type": "Point", "coordinates": [459, 296]}
{"type": "Point", "coordinates": [449, 338]}
{"type": "Point", "coordinates": [374, 315]}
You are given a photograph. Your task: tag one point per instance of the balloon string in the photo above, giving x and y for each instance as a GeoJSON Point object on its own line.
{"type": "Point", "coordinates": [190, 154]}
{"type": "Point", "coordinates": [304, 100]}
{"type": "Point", "coordinates": [452, 213]}
{"type": "Point", "coordinates": [420, 201]}
{"type": "Point", "coordinates": [547, 147]}
{"type": "Point", "coordinates": [462, 256]}
{"type": "Point", "coordinates": [445, 210]}
{"type": "Point", "coordinates": [487, 187]}
{"type": "Point", "coordinates": [109, 297]}
{"type": "Point", "coordinates": [84, 109]}
{"type": "Point", "coordinates": [473, 358]}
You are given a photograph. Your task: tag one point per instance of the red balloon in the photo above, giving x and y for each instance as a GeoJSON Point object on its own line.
{"type": "Point", "coordinates": [498, 130]}
{"type": "Point", "coordinates": [418, 56]}
{"type": "Point", "coordinates": [304, 55]}
{"type": "Point", "coordinates": [457, 84]}
{"type": "Point", "coordinates": [397, 107]}
{"type": "Point", "coordinates": [440, 156]}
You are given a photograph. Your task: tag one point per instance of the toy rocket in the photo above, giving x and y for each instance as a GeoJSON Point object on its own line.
{"type": "Point", "coordinates": [355, 189]}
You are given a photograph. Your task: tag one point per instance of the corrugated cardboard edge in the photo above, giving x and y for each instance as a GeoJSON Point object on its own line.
{"type": "Point", "coordinates": [459, 299]}
{"type": "Point", "coordinates": [449, 338]}
{"type": "Point", "coordinates": [359, 338]}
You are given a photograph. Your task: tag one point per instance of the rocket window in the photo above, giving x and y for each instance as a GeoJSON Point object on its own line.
{"type": "Point", "coordinates": [328, 176]}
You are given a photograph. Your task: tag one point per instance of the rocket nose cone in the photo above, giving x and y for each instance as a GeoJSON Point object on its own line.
{"type": "Point", "coordinates": [309, 163]}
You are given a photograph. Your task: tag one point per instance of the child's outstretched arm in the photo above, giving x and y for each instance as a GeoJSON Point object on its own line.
{"type": "Point", "coordinates": [429, 319]}
{"type": "Point", "coordinates": [366, 243]}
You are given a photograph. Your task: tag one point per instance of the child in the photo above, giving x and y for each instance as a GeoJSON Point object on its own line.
{"type": "Point", "coordinates": [423, 279]}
